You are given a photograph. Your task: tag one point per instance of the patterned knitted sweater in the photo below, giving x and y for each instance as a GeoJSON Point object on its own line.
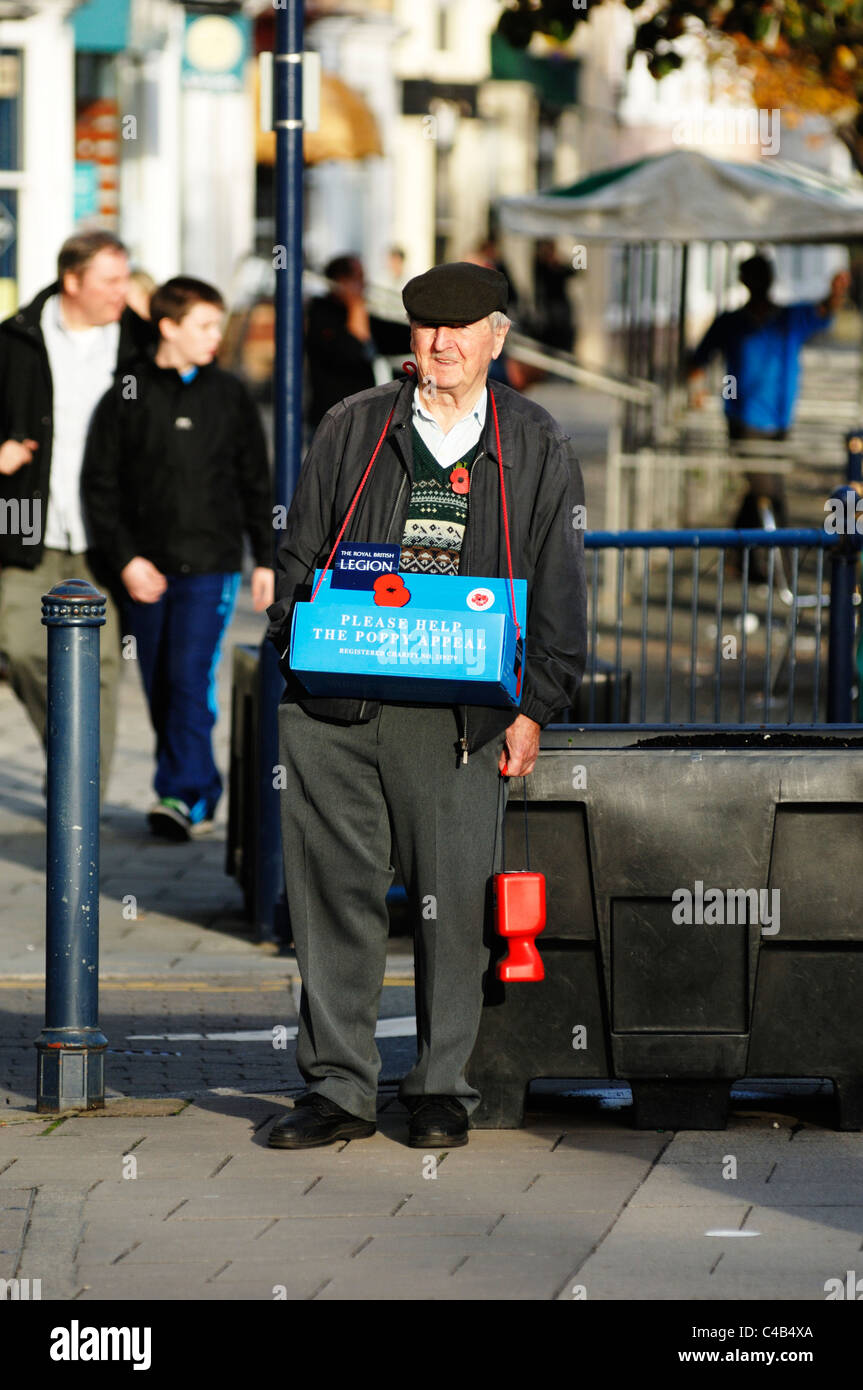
{"type": "Point", "coordinates": [437, 514]}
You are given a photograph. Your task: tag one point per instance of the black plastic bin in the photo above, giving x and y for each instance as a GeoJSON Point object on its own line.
{"type": "Point", "coordinates": [680, 1010]}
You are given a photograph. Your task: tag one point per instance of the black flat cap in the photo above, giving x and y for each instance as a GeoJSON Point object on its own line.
{"type": "Point", "coordinates": [455, 293]}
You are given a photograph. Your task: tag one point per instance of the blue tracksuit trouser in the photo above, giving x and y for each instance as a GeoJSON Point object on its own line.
{"type": "Point", "coordinates": [178, 643]}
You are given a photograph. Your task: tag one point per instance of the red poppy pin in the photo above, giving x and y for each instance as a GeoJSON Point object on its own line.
{"type": "Point", "coordinates": [459, 480]}
{"type": "Point", "coordinates": [390, 591]}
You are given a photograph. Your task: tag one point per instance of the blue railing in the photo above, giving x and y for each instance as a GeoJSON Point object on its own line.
{"type": "Point", "coordinates": [718, 608]}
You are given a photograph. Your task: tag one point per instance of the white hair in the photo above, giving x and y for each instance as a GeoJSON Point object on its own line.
{"type": "Point", "coordinates": [496, 320]}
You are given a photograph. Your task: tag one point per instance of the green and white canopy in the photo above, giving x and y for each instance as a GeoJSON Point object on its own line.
{"type": "Point", "coordinates": [687, 196]}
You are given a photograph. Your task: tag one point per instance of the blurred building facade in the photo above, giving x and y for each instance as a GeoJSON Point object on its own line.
{"type": "Point", "coordinates": [465, 119]}
{"type": "Point", "coordinates": [142, 116]}
{"type": "Point", "coordinates": [133, 115]}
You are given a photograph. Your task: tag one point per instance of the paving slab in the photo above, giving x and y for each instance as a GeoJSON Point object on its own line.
{"type": "Point", "coordinates": [542, 1195]}
{"type": "Point", "coordinates": [192, 1244]}
{"type": "Point", "coordinates": [477, 1277]}
{"type": "Point", "coordinates": [302, 1228]}
{"type": "Point", "coordinates": [167, 1281]}
{"type": "Point", "coordinates": [276, 1280]}
{"type": "Point", "coordinates": [574, 1236]}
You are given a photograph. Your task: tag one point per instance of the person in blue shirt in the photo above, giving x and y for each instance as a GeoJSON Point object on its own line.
{"type": "Point", "coordinates": [761, 345]}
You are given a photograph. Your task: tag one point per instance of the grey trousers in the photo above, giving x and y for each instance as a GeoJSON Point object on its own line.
{"type": "Point", "coordinates": [25, 642]}
{"type": "Point", "coordinates": [351, 792]}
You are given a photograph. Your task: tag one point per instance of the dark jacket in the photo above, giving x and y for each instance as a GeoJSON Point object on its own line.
{"type": "Point", "coordinates": [26, 407]}
{"type": "Point", "coordinates": [543, 487]}
{"type": "Point", "coordinates": [177, 472]}
{"type": "Point", "coordinates": [339, 363]}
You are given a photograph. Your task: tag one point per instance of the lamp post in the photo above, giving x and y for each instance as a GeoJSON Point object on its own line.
{"type": "Point", "coordinates": [288, 425]}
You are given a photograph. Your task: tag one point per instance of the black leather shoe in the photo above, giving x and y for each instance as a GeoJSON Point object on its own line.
{"type": "Point", "coordinates": [437, 1122]}
{"type": "Point", "coordinates": [315, 1121]}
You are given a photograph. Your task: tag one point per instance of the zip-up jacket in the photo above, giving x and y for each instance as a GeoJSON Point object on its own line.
{"type": "Point", "coordinates": [544, 489]}
{"type": "Point", "coordinates": [177, 471]}
{"type": "Point", "coordinates": [27, 406]}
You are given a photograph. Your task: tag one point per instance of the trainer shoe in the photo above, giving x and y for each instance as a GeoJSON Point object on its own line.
{"type": "Point", "coordinates": [170, 819]}
{"type": "Point", "coordinates": [202, 826]}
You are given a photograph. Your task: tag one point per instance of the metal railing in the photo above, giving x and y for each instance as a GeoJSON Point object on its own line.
{"type": "Point", "coordinates": [707, 627]}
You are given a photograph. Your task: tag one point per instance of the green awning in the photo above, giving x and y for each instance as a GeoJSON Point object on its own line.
{"type": "Point", "coordinates": [555, 78]}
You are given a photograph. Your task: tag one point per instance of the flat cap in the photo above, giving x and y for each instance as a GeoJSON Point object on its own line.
{"type": "Point", "coordinates": [455, 293]}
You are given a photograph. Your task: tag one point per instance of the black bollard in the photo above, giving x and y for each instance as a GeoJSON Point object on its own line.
{"type": "Point", "coordinates": [71, 1046]}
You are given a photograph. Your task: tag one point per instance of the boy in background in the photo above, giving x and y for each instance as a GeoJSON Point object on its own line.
{"type": "Point", "coordinates": [175, 473]}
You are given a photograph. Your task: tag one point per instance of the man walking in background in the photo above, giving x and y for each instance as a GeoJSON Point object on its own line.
{"type": "Point", "coordinates": [58, 355]}
{"type": "Point", "coordinates": [339, 343]}
{"type": "Point", "coordinates": [761, 345]}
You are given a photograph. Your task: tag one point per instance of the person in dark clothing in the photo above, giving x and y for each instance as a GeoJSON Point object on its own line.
{"type": "Point", "coordinates": [175, 472]}
{"type": "Point", "coordinates": [339, 344]}
{"type": "Point", "coordinates": [58, 355]}
{"type": "Point", "coordinates": [554, 321]}
{"type": "Point", "coordinates": [363, 775]}
{"type": "Point", "coordinates": [761, 345]}
{"type": "Point", "coordinates": [488, 253]}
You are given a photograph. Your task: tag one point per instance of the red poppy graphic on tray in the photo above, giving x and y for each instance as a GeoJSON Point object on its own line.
{"type": "Point", "coordinates": [459, 480]}
{"type": "Point", "coordinates": [390, 591]}
{"type": "Point", "coordinates": [478, 599]}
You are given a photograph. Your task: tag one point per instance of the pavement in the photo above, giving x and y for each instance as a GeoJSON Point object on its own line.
{"type": "Point", "coordinates": [171, 1194]}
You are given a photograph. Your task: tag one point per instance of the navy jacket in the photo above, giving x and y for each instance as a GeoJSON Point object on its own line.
{"type": "Point", "coordinates": [177, 472]}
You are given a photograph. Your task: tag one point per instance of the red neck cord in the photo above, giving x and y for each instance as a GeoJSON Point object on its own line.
{"type": "Point", "coordinates": [505, 517]}
{"type": "Point", "coordinates": [353, 504]}
{"type": "Point", "coordinates": [356, 496]}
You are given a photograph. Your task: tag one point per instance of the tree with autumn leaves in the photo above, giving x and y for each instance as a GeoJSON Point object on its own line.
{"type": "Point", "coordinates": [803, 56]}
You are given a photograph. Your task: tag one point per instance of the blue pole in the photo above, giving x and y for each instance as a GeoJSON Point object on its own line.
{"type": "Point", "coordinates": [843, 578]}
{"type": "Point", "coordinates": [288, 423]}
{"type": "Point", "coordinates": [71, 1046]}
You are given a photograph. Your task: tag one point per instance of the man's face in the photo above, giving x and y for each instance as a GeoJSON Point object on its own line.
{"type": "Point", "coordinates": [455, 360]}
{"type": "Point", "coordinates": [198, 334]}
{"type": "Point", "coordinates": [99, 291]}
{"type": "Point", "coordinates": [351, 286]}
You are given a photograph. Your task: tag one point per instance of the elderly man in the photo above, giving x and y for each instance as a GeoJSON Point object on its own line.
{"type": "Point", "coordinates": [363, 775]}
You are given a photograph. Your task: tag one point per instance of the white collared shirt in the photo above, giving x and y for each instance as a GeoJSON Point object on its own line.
{"type": "Point", "coordinates": [459, 439]}
{"type": "Point", "coordinates": [82, 368]}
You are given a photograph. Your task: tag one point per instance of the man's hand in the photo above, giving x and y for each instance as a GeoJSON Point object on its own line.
{"type": "Point", "coordinates": [521, 747]}
{"type": "Point", "coordinates": [143, 582]}
{"type": "Point", "coordinates": [839, 286]}
{"type": "Point", "coordinates": [697, 393]}
{"type": "Point", "coordinates": [358, 319]}
{"type": "Point", "coordinates": [263, 587]}
{"type": "Point", "coordinates": [15, 453]}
